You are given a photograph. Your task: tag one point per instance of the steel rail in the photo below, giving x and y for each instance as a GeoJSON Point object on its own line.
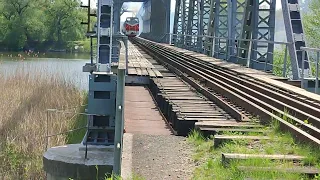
{"type": "Point", "coordinates": [220, 102]}
{"type": "Point", "coordinates": [299, 103]}
{"type": "Point", "coordinates": [269, 96]}
{"type": "Point", "coordinates": [287, 94]}
{"type": "Point", "coordinates": [274, 98]}
{"type": "Point", "coordinates": [305, 99]}
{"type": "Point", "coordinates": [253, 104]}
{"type": "Point", "coordinates": [250, 94]}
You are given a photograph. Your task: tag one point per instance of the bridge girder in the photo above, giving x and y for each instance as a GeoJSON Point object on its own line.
{"type": "Point", "coordinates": [239, 23]}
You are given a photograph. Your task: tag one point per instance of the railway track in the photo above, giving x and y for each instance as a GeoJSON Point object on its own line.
{"type": "Point", "coordinates": [183, 106]}
{"type": "Point", "coordinates": [241, 96]}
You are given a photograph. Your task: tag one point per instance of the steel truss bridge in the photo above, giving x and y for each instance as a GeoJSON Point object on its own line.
{"type": "Point", "coordinates": [240, 31]}
{"type": "Point", "coordinates": [209, 37]}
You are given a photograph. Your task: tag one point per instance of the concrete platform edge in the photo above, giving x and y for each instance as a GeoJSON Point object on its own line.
{"type": "Point", "coordinates": [126, 167]}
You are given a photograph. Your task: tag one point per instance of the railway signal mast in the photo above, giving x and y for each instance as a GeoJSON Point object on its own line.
{"type": "Point", "coordinates": [102, 143]}
{"type": "Point", "coordinates": [102, 83]}
{"type": "Point", "coordinates": [105, 102]}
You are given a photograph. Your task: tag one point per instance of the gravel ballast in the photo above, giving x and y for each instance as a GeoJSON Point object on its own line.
{"type": "Point", "coordinates": [162, 157]}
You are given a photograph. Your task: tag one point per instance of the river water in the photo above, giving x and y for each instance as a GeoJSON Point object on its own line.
{"type": "Point", "coordinates": [62, 65]}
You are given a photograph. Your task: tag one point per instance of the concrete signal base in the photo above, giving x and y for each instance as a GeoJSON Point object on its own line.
{"type": "Point", "coordinates": [68, 162]}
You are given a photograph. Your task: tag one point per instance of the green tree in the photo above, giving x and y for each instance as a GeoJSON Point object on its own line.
{"type": "Point", "coordinates": [21, 20]}
{"type": "Point", "coordinates": [13, 13]}
{"type": "Point", "coordinates": [40, 23]}
{"type": "Point", "coordinates": [312, 24]}
{"type": "Point", "coordinates": [64, 18]}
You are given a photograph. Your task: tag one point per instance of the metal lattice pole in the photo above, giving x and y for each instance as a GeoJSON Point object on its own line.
{"type": "Point", "coordinates": [295, 36]}
{"type": "Point", "coordinates": [200, 24]}
{"type": "Point", "coordinates": [235, 17]}
{"type": "Point", "coordinates": [221, 28]}
{"type": "Point", "coordinates": [177, 25]}
{"type": "Point", "coordinates": [248, 25]}
{"type": "Point", "coordinates": [263, 30]}
{"type": "Point", "coordinates": [191, 12]}
{"type": "Point", "coordinates": [210, 30]}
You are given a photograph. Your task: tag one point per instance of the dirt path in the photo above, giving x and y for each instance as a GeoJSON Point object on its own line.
{"type": "Point", "coordinates": [162, 157]}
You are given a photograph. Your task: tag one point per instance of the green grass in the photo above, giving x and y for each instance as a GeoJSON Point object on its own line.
{"type": "Point", "coordinates": [281, 143]}
{"type": "Point", "coordinates": [115, 177]}
{"type": "Point", "coordinates": [81, 121]}
{"type": "Point", "coordinates": [134, 177]}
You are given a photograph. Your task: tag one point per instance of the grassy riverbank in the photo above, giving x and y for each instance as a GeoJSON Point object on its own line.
{"type": "Point", "coordinates": [24, 98]}
{"type": "Point", "coordinates": [210, 160]}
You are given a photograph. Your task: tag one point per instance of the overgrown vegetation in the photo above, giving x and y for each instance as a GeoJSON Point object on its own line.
{"type": "Point", "coordinates": [116, 177]}
{"type": "Point", "coordinates": [78, 125]}
{"type": "Point", "coordinates": [24, 98]}
{"type": "Point", "coordinates": [41, 24]}
{"type": "Point", "coordinates": [279, 59]}
{"type": "Point", "coordinates": [311, 24]}
{"type": "Point", "coordinates": [134, 177]}
{"type": "Point", "coordinates": [278, 62]}
{"type": "Point", "coordinates": [210, 160]}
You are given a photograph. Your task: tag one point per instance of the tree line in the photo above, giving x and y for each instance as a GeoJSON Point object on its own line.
{"type": "Point", "coordinates": [54, 24]}
{"type": "Point", "coordinates": [40, 24]}
{"type": "Point", "coordinates": [311, 24]}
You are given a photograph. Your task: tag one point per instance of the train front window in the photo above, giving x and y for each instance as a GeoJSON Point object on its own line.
{"type": "Point", "coordinates": [135, 20]}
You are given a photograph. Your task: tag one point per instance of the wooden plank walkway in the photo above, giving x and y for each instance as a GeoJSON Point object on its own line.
{"type": "Point", "coordinates": [141, 114]}
{"type": "Point", "coordinates": [139, 65]}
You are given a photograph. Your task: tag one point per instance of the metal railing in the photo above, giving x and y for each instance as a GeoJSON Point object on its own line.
{"type": "Point", "coordinates": [314, 56]}
{"type": "Point", "coordinates": [61, 111]}
{"type": "Point", "coordinates": [119, 121]}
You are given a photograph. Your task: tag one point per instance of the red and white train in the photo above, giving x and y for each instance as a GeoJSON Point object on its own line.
{"type": "Point", "coordinates": [131, 27]}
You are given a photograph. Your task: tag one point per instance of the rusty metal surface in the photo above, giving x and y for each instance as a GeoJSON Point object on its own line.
{"type": "Point", "coordinates": [267, 79]}
{"type": "Point", "coordinates": [245, 92]}
{"type": "Point", "coordinates": [183, 106]}
{"type": "Point", "coordinates": [217, 98]}
{"type": "Point", "coordinates": [141, 114]}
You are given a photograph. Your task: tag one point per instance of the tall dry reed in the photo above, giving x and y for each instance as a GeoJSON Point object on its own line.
{"type": "Point", "coordinates": [24, 99]}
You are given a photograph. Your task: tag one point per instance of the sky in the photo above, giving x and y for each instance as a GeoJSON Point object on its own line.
{"type": "Point", "coordinates": [134, 6]}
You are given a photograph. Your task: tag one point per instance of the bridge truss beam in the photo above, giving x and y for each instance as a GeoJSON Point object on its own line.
{"type": "Point", "coordinates": [295, 36]}
{"type": "Point", "coordinates": [180, 22]}
{"type": "Point", "coordinates": [259, 24]}
{"type": "Point", "coordinates": [240, 31]}
{"type": "Point", "coordinates": [208, 44]}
